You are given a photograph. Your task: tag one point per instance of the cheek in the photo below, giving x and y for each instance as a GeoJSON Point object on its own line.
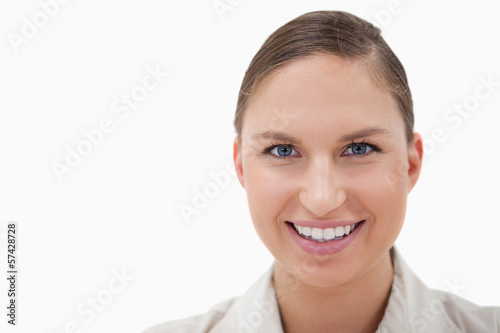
{"type": "Point", "coordinates": [268, 192]}
{"type": "Point", "coordinates": [382, 190]}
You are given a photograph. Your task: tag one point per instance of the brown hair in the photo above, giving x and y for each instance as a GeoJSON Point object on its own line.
{"type": "Point", "coordinates": [332, 32]}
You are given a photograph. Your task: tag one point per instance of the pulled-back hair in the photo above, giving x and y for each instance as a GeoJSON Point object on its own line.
{"type": "Point", "coordinates": [329, 32]}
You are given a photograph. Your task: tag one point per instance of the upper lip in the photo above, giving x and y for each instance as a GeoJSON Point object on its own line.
{"type": "Point", "coordinates": [324, 224]}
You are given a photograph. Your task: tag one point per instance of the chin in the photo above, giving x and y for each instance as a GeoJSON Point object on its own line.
{"type": "Point", "coordinates": [321, 272]}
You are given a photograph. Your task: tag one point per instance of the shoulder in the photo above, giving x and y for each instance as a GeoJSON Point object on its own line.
{"type": "Point", "coordinates": [466, 315]}
{"type": "Point", "coordinates": [197, 323]}
{"type": "Point", "coordinates": [431, 310]}
{"type": "Point", "coordinates": [255, 311]}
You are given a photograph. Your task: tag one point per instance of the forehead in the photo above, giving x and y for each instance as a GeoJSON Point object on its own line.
{"type": "Point", "coordinates": [321, 93]}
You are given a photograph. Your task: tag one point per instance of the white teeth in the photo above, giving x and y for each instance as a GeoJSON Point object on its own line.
{"type": "Point", "coordinates": [317, 233]}
{"type": "Point", "coordinates": [339, 231]}
{"type": "Point", "coordinates": [329, 233]}
{"type": "Point", "coordinates": [321, 235]}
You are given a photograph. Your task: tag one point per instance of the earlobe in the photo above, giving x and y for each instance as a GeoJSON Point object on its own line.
{"type": "Point", "coordinates": [237, 161]}
{"type": "Point", "coordinates": [415, 156]}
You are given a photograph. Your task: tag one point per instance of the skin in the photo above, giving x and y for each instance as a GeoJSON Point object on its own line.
{"type": "Point", "coordinates": [318, 100]}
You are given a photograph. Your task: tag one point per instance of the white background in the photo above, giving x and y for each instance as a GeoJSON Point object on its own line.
{"type": "Point", "coordinates": [118, 210]}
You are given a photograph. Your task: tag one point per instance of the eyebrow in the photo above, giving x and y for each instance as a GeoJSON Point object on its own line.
{"type": "Point", "coordinates": [372, 131]}
{"type": "Point", "coordinates": [275, 135]}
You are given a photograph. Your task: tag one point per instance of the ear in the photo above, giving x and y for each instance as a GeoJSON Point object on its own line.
{"type": "Point", "coordinates": [415, 155]}
{"type": "Point", "coordinates": [237, 152]}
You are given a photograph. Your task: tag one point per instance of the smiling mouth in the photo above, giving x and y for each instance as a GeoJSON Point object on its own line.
{"type": "Point", "coordinates": [325, 235]}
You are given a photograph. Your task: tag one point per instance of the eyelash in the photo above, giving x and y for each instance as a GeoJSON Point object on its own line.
{"type": "Point", "coordinates": [367, 142]}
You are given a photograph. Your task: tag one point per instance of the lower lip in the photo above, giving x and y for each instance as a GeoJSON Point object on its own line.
{"type": "Point", "coordinates": [324, 248]}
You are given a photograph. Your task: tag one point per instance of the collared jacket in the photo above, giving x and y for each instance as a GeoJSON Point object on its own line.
{"type": "Point", "coordinates": [413, 307]}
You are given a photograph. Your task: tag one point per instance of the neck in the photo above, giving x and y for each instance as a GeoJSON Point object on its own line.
{"type": "Point", "coordinates": [357, 306]}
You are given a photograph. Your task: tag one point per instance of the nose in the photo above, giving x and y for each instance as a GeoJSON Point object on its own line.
{"type": "Point", "coordinates": [322, 190]}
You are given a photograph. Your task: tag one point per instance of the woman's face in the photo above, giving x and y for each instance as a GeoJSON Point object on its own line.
{"type": "Point", "coordinates": [324, 150]}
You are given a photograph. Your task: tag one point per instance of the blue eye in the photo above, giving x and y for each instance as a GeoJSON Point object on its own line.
{"type": "Point", "coordinates": [281, 151]}
{"type": "Point", "coordinates": [286, 151]}
{"type": "Point", "coordinates": [360, 149]}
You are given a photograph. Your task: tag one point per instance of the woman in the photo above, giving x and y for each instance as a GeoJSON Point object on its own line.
{"type": "Point", "coordinates": [326, 152]}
